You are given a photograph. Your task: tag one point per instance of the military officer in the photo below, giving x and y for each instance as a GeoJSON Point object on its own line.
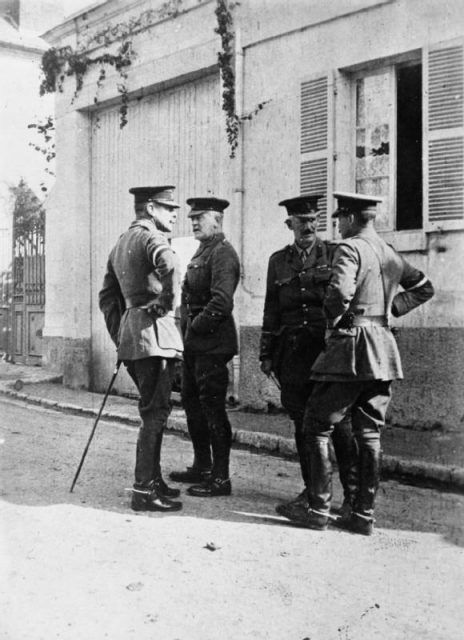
{"type": "Point", "coordinates": [293, 334]}
{"type": "Point", "coordinates": [210, 341]}
{"type": "Point", "coordinates": [355, 371]}
{"type": "Point", "coordinates": [138, 299]}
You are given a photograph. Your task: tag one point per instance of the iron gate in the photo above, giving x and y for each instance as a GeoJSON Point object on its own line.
{"type": "Point", "coordinates": [28, 300]}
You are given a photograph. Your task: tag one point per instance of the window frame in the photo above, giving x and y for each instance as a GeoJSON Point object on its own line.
{"type": "Point", "coordinates": [391, 65]}
{"type": "Point", "coordinates": [373, 71]}
{"type": "Point", "coordinates": [341, 151]}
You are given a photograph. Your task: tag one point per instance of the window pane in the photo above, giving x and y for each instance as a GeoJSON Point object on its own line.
{"type": "Point", "coordinates": [409, 148]}
{"type": "Point", "coordinates": [374, 113]}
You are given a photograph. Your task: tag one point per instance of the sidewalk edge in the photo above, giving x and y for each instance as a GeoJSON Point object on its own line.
{"type": "Point", "coordinates": [419, 470]}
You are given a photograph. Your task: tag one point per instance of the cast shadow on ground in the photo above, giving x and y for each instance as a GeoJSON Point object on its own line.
{"type": "Point", "coordinates": [40, 460]}
{"type": "Point", "coordinates": [399, 509]}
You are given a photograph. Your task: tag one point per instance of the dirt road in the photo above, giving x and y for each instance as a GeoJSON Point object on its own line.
{"type": "Point", "coordinates": [83, 566]}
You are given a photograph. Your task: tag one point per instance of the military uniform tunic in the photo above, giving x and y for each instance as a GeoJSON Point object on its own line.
{"type": "Point", "coordinates": [139, 294]}
{"type": "Point", "coordinates": [210, 340]}
{"type": "Point", "coordinates": [355, 370]}
{"type": "Point", "coordinates": [207, 298]}
{"type": "Point", "coordinates": [293, 322]}
{"type": "Point", "coordinates": [138, 300]}
{"type": "Point", "coordinates": [364, 283]}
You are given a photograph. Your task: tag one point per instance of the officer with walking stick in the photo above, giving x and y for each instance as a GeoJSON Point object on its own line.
{"type": "Point", "coordinates": [138, 300]}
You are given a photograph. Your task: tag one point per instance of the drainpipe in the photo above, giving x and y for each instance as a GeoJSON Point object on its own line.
{"type": "Point", "coordinates": [240, 172]}
{"type": "Point", "coordinates": [238, 191]}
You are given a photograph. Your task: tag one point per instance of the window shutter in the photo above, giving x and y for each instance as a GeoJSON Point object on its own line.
{"type": "Point", "coordinates": [316, 141]}
{"type": "Point", "coordinates": [444, 136]}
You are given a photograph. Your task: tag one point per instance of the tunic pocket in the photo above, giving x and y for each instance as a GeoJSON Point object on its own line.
{"type": "Point", "coordinates": [198, 278]}
{"type": "Point", "coordinates": [339, 355]}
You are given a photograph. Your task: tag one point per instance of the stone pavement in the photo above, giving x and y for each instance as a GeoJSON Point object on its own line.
{"type": "Point", "coordinates": [417, 456]}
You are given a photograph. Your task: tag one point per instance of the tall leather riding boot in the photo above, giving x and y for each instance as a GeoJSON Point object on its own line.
{"type": "Point", "coordinates": [197, 423]}
{"type": "Point", "coordinates": [369, 474]}
{"type": "Point", "coordinates": [157, 457]}
{"type": "Point", "coordinates": [218, 484]}
{"type": "Point", "coordinates": [201, 441]}
{"type": "Point", "coordinates": [347, 455]}
{"type": "Point", "coordinates": [300, 447]}
{"type": "Point", "coordinates": [202, 463]}
{"type": "Point", "coordinates": [147, 443]}
{"type": "Point", "coordinates": [291, 508]}
{"type": "Point", "coordinates": [320, 486]}
{"type": "Point", "coordinates": [158, 482]}
{"type": "Point", "coordinates": [221, 441]}
{"type": "Point", "coordinates": [199, 434]}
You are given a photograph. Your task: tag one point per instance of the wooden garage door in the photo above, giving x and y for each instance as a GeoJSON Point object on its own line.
{"type": "Point", "coordinates": [172, 137]}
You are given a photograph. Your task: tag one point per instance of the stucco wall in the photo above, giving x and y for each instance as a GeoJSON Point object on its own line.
{"type": "Point", "coordinates": [431, 337]}
{"type": "Point", "coordinates": [283, 42]}
{"type": "Point", "coordinates": [72, 282]}
{"type": "Point", "coordinates": [67, 278]}
{"type": "Point", "coordinates": [271, 139]}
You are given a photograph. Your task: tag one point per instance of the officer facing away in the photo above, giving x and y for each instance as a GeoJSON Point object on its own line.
{"type": "Point", "coordinates": [210, 341]}
{"type": "Point", "coordinates": [138, 299]}
{"type": "Point", "coordinates": [355, 371]}
{"type": "Point", "coordinates": [293, 335]}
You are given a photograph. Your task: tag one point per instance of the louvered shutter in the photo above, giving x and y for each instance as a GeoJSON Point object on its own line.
{"type": "Point", "coordinates": [315, 141]}
{"type": "Point", "coordinates": [444, 136]}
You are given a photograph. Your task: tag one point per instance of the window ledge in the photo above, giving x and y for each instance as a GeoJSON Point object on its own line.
{"type": "Point", "coordinates": [404, 241]}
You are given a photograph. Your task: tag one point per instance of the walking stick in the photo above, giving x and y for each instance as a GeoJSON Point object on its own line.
{"type": "Point", "coordinates": [113, 378]}
{"type": "Point", "coordinates": [275, 381]}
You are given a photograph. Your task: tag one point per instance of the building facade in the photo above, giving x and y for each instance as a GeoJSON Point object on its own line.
{"type": "Point", "coordinates": [356, 95]}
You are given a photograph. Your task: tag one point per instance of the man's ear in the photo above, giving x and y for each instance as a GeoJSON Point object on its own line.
{"type": "Point", "coordinates": [289, 223]}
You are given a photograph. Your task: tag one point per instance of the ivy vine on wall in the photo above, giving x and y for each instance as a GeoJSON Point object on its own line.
{"type": "Point", "coordinates": [225, 30]}
{"type": "Point", "coordinates": [59, 63]}
{"type": "Point", "coordinates": [46, 132]}
{"type": "Point", "coordinates": [226, 58]}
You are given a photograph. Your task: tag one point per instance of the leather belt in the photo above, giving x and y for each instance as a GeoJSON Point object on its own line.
{"type": "Point", "coordinates": [194, 311]}
{"type": "Point", "coordinates": [132, 304]}
{"type": "Point", "coordinates": [363, 321]}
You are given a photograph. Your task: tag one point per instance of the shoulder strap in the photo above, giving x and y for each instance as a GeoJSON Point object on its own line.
{"type": "Point", "coordinates": [145, 224]}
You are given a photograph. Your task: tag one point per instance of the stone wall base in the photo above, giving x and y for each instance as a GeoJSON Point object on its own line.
{"type": "Point", "coordinates": [70, 358]}
{"type": "Point", "coordinates": [430, 396]}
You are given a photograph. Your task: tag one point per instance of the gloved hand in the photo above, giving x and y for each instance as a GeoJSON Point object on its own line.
{"type": "Point", "coordinates": [202, 324]}
{"type": "Point", "coordinates": [156, 311]}
{"type": "Point", "coordinates": [266, 366]}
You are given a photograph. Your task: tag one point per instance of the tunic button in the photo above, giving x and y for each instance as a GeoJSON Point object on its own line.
{"type": "Point", "coordinates": [303, 289]}
{"type": "Point", "coordinates": [305, 322]}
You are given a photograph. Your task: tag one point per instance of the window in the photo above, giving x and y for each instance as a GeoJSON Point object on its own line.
{"type": "Point", "coordinates": [388, 154]}
{"type": "Point", "coordinates": [395, 130]}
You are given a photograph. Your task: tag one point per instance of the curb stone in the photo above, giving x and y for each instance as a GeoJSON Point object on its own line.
{"type": "Point", "coordinates": [419, 470]}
